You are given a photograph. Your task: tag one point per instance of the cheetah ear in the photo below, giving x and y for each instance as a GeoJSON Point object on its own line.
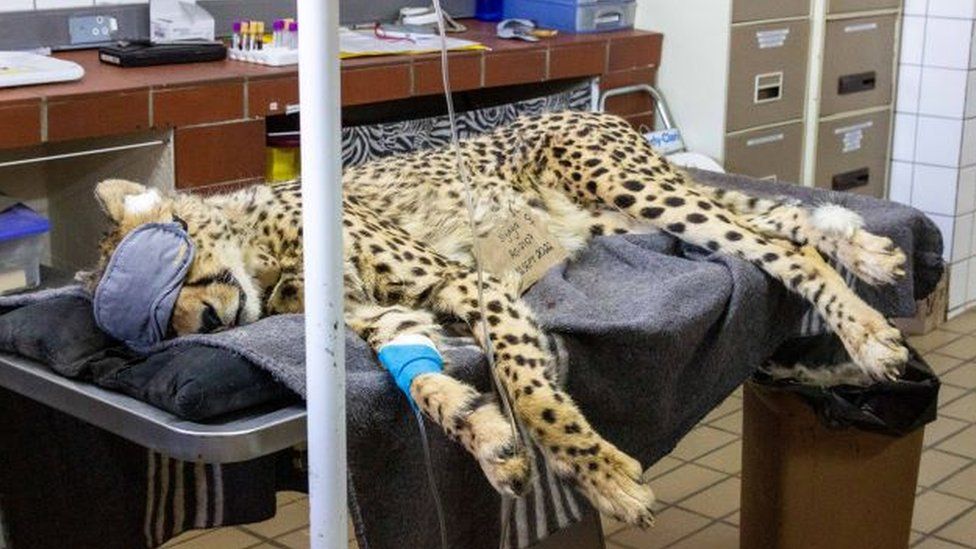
{"type": "Point", "coordinates": [120, 199]}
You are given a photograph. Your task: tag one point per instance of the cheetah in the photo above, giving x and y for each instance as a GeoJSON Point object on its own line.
{"type": "Point", "coordinates": [409, 261]}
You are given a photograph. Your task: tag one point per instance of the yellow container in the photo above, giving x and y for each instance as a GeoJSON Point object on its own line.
{"type": "Point", "coordinates": [284, 161]}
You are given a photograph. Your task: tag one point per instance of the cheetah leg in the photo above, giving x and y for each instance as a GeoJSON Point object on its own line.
{"type": "Point", "coordinates": [834, 230]}
{"type": "Point", "coordinates": [471, 418]}
{"type": "Point", "coordinates": [873, 343]}
{"type": "Point", "coordinates": [607, 476]}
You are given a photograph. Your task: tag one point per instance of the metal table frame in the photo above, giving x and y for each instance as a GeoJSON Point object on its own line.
{"type": "Point", "coordinates": [239, 437]}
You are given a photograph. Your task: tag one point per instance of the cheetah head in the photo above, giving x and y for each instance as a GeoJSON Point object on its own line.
{"type": "Point", "coordinates": [218, 291]}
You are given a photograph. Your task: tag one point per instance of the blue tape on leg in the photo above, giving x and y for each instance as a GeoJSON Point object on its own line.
{"type": "Point", "coordinates": [407, 360]}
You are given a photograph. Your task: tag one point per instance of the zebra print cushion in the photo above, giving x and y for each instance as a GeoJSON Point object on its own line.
{"type": "Point", "coordinates": [361, 144]}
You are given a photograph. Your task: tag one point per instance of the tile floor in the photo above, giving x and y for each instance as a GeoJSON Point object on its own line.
{"type": "Point", "coordinates": [698, 484]}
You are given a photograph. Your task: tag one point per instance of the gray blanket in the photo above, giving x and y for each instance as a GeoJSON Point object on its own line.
{"type": "Point", "coordinates": [655, 333]}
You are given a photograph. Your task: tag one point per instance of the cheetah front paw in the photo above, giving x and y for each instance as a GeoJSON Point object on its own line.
{"type": "Point", "coordinates": [879, 350]}
{"type": "Point", "coordinates": [874, 259]}
{"type": "Point", "coordinates": [508, 469]}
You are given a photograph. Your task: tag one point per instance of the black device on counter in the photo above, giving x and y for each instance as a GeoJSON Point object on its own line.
{"type": "Point", "coordinates": [145, 54]}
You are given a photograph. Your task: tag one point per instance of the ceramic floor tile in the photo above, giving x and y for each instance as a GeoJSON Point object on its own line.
{"type": "Point", "coordinates": [964, 376]}
{"type": "Point", "coordinates": [718, 501]}
{"type": "Point", "coordinates": [914, 538]}
{"type": "Point", "coordinates": [933, 510]}
{"type": "Point", "coordinates": [185, 537]}
{"type": "Point", "coordinates": [223, 538]}
{"type": "Point", "coordinates": [728, 406]}
{"type": "Point", "coordinates": [683, 481]}
{"type": "Point", "coordinates": [937, 466]}
{"type": "Point", "coordinates": [663, 465]}
{"type": "Point", "coordinates": [738, 392]}
{"type": "Point", "coordinates": [964, 348]}
{"type": "Point", "coordinates": [961, 484]}
{"type": "Point", "coordinates": [941, 363]}
{"type": "Point", "coordinates": [933, 543]}
{"type": "Point", "coordinates": [963, 442]}
{"type": "Point", "coordinates": [700, 441]}
{"type": "Point", "coordinates": [727, 459]}
{"type": "Point", "coordinates": [962, 530]}
{"type": "Point", "coordinates": [733, 518]}
{"type": "Point", "coordinates": [964, 324]}
{"type": "Point", "coordinates": [942, 428]}
{"type": "Point", "coordinates": [299, 539]}
{"type": "Point", "coordinates": [716, 536]}
{"type": "Point", "coordinates": [947, 397]}
{"type": "Point", "coordinates": [933, 340]}
{"type": "Point", "coordinates": [290, 517]}
{"type": "Point", "coordinates": [671, 525]}
{"type": "Point", "coordinates": [611, 525]}
{"type": "Point", "coordinates": [731, 423]}
{"type": "Point", "coordinates": [284, 498]}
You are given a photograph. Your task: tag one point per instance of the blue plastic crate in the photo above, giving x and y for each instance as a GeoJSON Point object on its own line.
{"type": "Point", "coordinates": [19, 221]}
{"type": "Point", "coordinates": [577, 16]}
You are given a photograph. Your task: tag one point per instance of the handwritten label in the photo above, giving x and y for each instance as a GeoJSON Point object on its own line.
{"type": "Point", "coordinates": [520, 243]}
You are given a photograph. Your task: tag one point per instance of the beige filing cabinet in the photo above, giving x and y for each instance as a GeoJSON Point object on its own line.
{"type": "Point", "coordinates": [762, 85]}
{"type": "Point", "coordinates": [852, 153]}
{"type": "Point", "coordinates": [857, 70]}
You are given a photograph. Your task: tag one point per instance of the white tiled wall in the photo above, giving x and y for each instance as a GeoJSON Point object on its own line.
{"type": "Point", "coordinates": [30, 5]}
{"type": "Point", "coordinates": [934, 150]}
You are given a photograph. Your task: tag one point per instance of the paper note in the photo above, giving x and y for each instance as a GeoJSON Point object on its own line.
{"type": "Point", "coordinates": [13, 280]}
{"type": "Point", "coordinates": [521, 244]}
{"type": "Point", "coordinates": [366, 43]}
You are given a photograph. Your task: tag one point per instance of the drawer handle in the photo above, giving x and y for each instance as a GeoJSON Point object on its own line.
{"type": "Point", "coordinates": [769, 87]}
{"type": "Point", "coordinates": [851, 180]}
{"type": "Point", "coordinates": [861, 27]}
{"type": "Point", "coordinates": [608, 18]}
{"type": "Point", "coordinates": [854, 83]}
{"type": "Point", "coordinates": [757, 141]}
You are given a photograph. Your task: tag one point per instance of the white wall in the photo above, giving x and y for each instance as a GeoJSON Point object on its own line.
{"type": "Point", "coordinates": [693, 71]}
{"type": "Point", "coordinates": [934, 153]}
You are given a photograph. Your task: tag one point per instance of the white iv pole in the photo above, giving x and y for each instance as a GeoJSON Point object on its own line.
{"type": "Point", "coordinates": [318, 64]}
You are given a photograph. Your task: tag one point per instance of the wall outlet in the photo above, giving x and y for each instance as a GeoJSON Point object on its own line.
{"type": "Point", "coordinates": [92, 29]}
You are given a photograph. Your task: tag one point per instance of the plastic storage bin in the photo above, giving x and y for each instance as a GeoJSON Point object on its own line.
{"type": "Point", "coordinates": [575, 15]}
{"type": "Point", "coordinates": [21, 240]}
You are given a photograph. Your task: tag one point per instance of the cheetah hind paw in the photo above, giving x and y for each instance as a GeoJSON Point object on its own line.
{"type": "Point", "coordinates": [623, 497]}
{"type": "Point", "coordinates": [874, 259]}
{"type": "Point", "coordinates": [881, 354]}
{"type": "Point", "coordinates": [613, 483]}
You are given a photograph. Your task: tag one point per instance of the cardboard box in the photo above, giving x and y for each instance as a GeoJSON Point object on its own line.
{"type": "Point", "coordinates": [930, 312]}
{"type": "Point", "coordinates": [808, 487]}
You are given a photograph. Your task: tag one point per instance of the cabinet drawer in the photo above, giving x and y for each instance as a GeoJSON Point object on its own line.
{"type": "Point", "coordinates": [849, 6]}
{"type": "Point", "coordinates": [758, 10]}
{"type": "Point", "coordinates": [852, 154]}
{"type": "Point", "coordinates": [767, 74]}
{"type": "Point", "coordinates": [858, 64]}
{"type": "Point", "coordinates": [773, 153]}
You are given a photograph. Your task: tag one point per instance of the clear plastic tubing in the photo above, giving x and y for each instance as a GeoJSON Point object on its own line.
{"type": "Point", "coordinates": [465, 178]}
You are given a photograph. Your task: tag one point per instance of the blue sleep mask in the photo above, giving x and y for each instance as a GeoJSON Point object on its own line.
{"type": "Point", "coordinates": [135, 298]}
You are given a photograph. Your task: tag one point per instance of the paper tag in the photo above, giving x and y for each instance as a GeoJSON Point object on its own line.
{"type": "Point", "coordinates": [519, 243]}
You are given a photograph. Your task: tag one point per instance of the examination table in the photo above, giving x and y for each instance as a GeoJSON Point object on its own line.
{"type": "Point", "coordinates": [650, 335]}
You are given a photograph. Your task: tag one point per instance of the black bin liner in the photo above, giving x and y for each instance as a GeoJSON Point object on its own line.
{"type": "Point", "coordinates": [893, 408]}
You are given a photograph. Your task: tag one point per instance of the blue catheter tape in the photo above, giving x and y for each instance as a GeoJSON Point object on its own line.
{"type": "Point", "coordinates": [407, 357]}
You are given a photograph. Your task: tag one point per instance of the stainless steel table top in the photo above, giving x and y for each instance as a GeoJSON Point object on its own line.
{"type": "Point", "coordinates": [248, 435]}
